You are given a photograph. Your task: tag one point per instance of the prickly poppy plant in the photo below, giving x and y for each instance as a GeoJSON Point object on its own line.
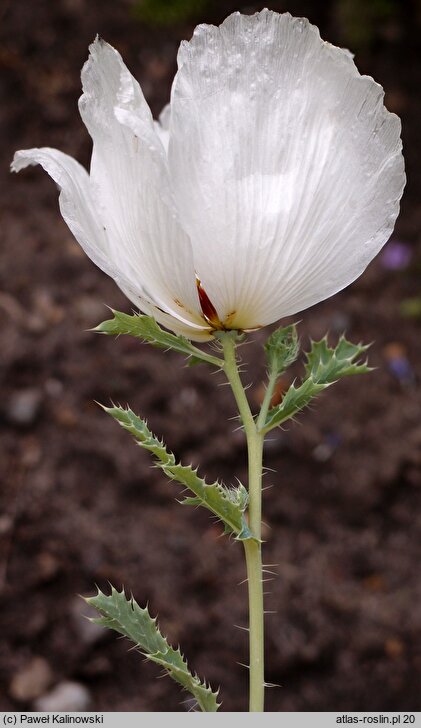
{"type": "Point", "coordinates": [270, 181]}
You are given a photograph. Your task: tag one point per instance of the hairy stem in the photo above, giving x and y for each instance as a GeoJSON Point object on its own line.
{"type": "Point", "coordinates": [252, 547]}
{"type": "Point", "coordinates": [273, 376]}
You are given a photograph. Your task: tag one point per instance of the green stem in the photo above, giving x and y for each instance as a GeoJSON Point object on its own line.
{"type": "Point", "coordinates": [252, 547]}
{"type": "Point", "coordinates": [273, 376]}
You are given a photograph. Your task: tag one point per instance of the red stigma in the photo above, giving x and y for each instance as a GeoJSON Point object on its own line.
{"type": "Point", "coordinates": [208, 309]}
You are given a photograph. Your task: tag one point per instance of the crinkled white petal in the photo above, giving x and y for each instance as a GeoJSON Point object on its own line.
{"type": "Point", "coordinates": [78, 210]}
{"type": "Point", "coordinates": [129, 182]}
{"type": "Point", "coordinates": [162, 126]}
{"type": "Point", "coordinates": [287, 168]}
{"type": "Point", "coordinates": [76, 204]}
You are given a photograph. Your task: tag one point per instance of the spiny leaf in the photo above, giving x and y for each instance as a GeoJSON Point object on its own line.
{"type": "Point", "coordinates": [282, 349]}
{"type": "Point", "coordinates": [323, 367]}
{"type": "Point", "coordinates": [294, 400]}
{"type": "Point", "coordinates": [228, 504]}
{"type": "Point", "coordinates": [140, 431]}
{"type": "Point", "coordinates": [126, 617]}
{"type": "Point", "coordinates": [146, 328]}
{"type": "Point", "coordinates": [326, 365]}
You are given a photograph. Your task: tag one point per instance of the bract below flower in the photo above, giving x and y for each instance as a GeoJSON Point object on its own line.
{"type": "Point", "coordinates": [269, 183]}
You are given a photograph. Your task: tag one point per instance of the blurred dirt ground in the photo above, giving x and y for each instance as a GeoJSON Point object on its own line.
{"type": "Point", "coordinates": [80, 504]}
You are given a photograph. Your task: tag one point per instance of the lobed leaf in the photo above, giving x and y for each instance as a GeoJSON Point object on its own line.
{"type": "Point", "coordinates": [228, 504]}
{"type": "Point", "coordinates": [324, 366]}
{"type": "Point", "coordinates": [127, 618]}
{"type": "Point", "coordinates": [146, 328]}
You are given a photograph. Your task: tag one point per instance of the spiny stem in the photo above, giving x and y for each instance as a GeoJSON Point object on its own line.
{"type": "Point", "coordinates": [273, 376]}
{"type": "Point", "coordinates": [252, 547]}
{"type": "Point", "coordinates": [228, 340]}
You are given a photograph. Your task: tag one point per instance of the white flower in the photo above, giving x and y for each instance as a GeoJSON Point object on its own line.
{"type": "Point", "coordinates": [270, 182]}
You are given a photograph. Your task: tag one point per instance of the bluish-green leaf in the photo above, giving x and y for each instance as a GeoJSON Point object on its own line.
{"type": "Point", "coordinates": [326, 365]}
{"type": "Point", "coordinates": [282, 349]}
{"type": "Point", "coordinates": [146, 328]}
{"type": "Point", "coordinates": [323, 367]}
{"type": "Point", "coordinates": [228, 504]}
{"type": "Point", "coordinates": [127, 618]}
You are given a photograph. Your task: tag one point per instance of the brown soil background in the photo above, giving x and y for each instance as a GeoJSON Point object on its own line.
{"type": "Point", "coordinates": [80, 503]}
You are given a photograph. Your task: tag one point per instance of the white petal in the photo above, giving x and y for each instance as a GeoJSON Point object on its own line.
{"type": "Point", "coordinates": [287, 167]}
{"type": "Point", "coordinates": [78, 210]}
{"type": "Point", "coordinates": [129, 178]}
{"type": "Point", "coordinates": [162, 126]}
{"type": "Point", "coordinates": [76, 203]}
